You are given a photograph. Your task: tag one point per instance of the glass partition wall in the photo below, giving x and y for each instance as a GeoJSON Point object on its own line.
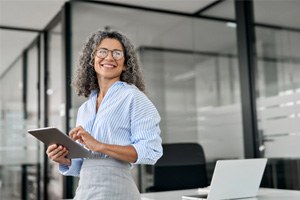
{"type": "Point", "coordinates": [20, 156]}
{"type": "Point", "coordinates": [278, 89]}
{"type": "Point", "coordinates": [33, 118]}
{"type": "Point", "coordinates": [277, 56]}
{"type": "Point", "coordinates": [11, 153]}
{"type": "Point", "coordinates": [191, 74]}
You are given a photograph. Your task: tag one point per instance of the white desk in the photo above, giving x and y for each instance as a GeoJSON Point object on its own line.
{"type": "Point", "coordinates": [263, 194]}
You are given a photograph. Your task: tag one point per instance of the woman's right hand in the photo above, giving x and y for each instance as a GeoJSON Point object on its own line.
{"type": "Point", "coordinates": [58, 154]}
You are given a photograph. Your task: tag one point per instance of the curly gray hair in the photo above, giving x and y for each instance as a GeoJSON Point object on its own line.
{"type": "Point", "coordinates": [85, 79]}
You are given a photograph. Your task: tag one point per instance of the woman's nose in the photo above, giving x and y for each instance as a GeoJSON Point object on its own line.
{"type": "Point", "coordinates": [109, 56]}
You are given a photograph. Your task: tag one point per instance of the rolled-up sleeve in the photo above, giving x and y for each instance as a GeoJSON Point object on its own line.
{"type": "Point", "coordinates": [73, 169]}
{"type": "Point", "coordinates": [145, 131]}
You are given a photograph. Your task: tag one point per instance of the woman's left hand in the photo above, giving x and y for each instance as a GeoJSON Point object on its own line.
{"type": "Point", "coordinates": [82, 136]}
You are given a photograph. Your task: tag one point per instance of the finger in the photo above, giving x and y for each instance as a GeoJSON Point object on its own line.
{"type": "Point", "coordinates": [82, 133]}
{"type": "Point", "coordinates": [76, 137]}
{"type": "Point", "coordinates": [78, 128]}
{"type": "Point", "coordinates": [51, 148]}
{"type": "Point", "coordinates": [55, 151]}
{"type": "Point", "coordinates": [75, 130]}
{"type": "Point", "coordinates": [65, 153]}
{"type": "Point", "coordinates": [60, 154]}
{"type": "Point", "coordinates": [83, 142]}
{"type": "Point", "coordinates": [72, 133]}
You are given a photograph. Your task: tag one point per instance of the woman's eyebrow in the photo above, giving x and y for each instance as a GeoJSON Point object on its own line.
{"type": "Point", "coordinates": [109, 49]}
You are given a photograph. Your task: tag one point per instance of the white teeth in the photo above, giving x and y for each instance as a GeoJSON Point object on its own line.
{"type": "Point", "coordinates": [108, 66]}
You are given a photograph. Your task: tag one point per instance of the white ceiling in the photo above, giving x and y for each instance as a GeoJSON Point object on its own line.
{"type": "Point", "coordinates": [27, 14]}
{"type": "Point", "coordinates": [34, 14]}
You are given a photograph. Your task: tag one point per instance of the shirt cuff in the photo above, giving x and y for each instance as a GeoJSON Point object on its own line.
{"type": "Point", "coordinates": [73, 169]}
{"type": "Point", "coordinates": [146, 155]}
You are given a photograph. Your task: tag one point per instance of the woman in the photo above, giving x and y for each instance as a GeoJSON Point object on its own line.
{"type": "Point", "coordinates": [118, 123]}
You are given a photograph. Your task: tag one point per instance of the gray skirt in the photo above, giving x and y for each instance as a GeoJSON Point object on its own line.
{"type": "Point", "coordinates": [106, 179]}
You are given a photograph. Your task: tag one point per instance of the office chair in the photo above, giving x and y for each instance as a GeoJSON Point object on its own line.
{"type": "Point", "coordinates": [182, 166]}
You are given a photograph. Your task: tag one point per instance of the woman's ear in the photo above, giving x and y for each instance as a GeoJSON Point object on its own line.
{"type": "Point", "coordinates": [124, 68]}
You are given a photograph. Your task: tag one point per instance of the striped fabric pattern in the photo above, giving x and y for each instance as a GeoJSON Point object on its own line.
{"type": "Point", "coordinates": [125, 117]}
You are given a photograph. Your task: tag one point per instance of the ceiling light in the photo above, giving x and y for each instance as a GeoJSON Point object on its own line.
{"type": "Point", "coordinates": [231, 25]}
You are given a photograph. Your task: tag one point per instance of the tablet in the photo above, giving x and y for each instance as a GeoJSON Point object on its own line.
{"type": "Point", "coordinates": [50, 135]}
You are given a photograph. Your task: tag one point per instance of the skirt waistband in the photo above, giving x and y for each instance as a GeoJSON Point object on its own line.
{"type": "Point", "coordinates": [105, 162]}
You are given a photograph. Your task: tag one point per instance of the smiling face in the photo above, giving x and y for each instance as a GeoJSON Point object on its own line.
{"type": "Point", "coordinates": [107, 67]}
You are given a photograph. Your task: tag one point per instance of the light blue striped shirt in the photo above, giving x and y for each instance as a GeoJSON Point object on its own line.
{"type": "Point", "coordinates": [125, 117]}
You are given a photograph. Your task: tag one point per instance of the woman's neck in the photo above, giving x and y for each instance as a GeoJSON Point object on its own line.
{"type": "Point", "coordinates": [104, 85]}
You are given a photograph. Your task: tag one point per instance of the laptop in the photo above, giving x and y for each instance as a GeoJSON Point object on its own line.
{"type": "Point", "coordinates": [233, 179]}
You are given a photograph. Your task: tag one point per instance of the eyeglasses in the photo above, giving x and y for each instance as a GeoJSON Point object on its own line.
{"type": "Point", "coordinates": [116, 54]}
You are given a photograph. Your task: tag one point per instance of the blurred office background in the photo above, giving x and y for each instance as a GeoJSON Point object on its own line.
{"type": "Point", "coordinates": [218, 75]}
